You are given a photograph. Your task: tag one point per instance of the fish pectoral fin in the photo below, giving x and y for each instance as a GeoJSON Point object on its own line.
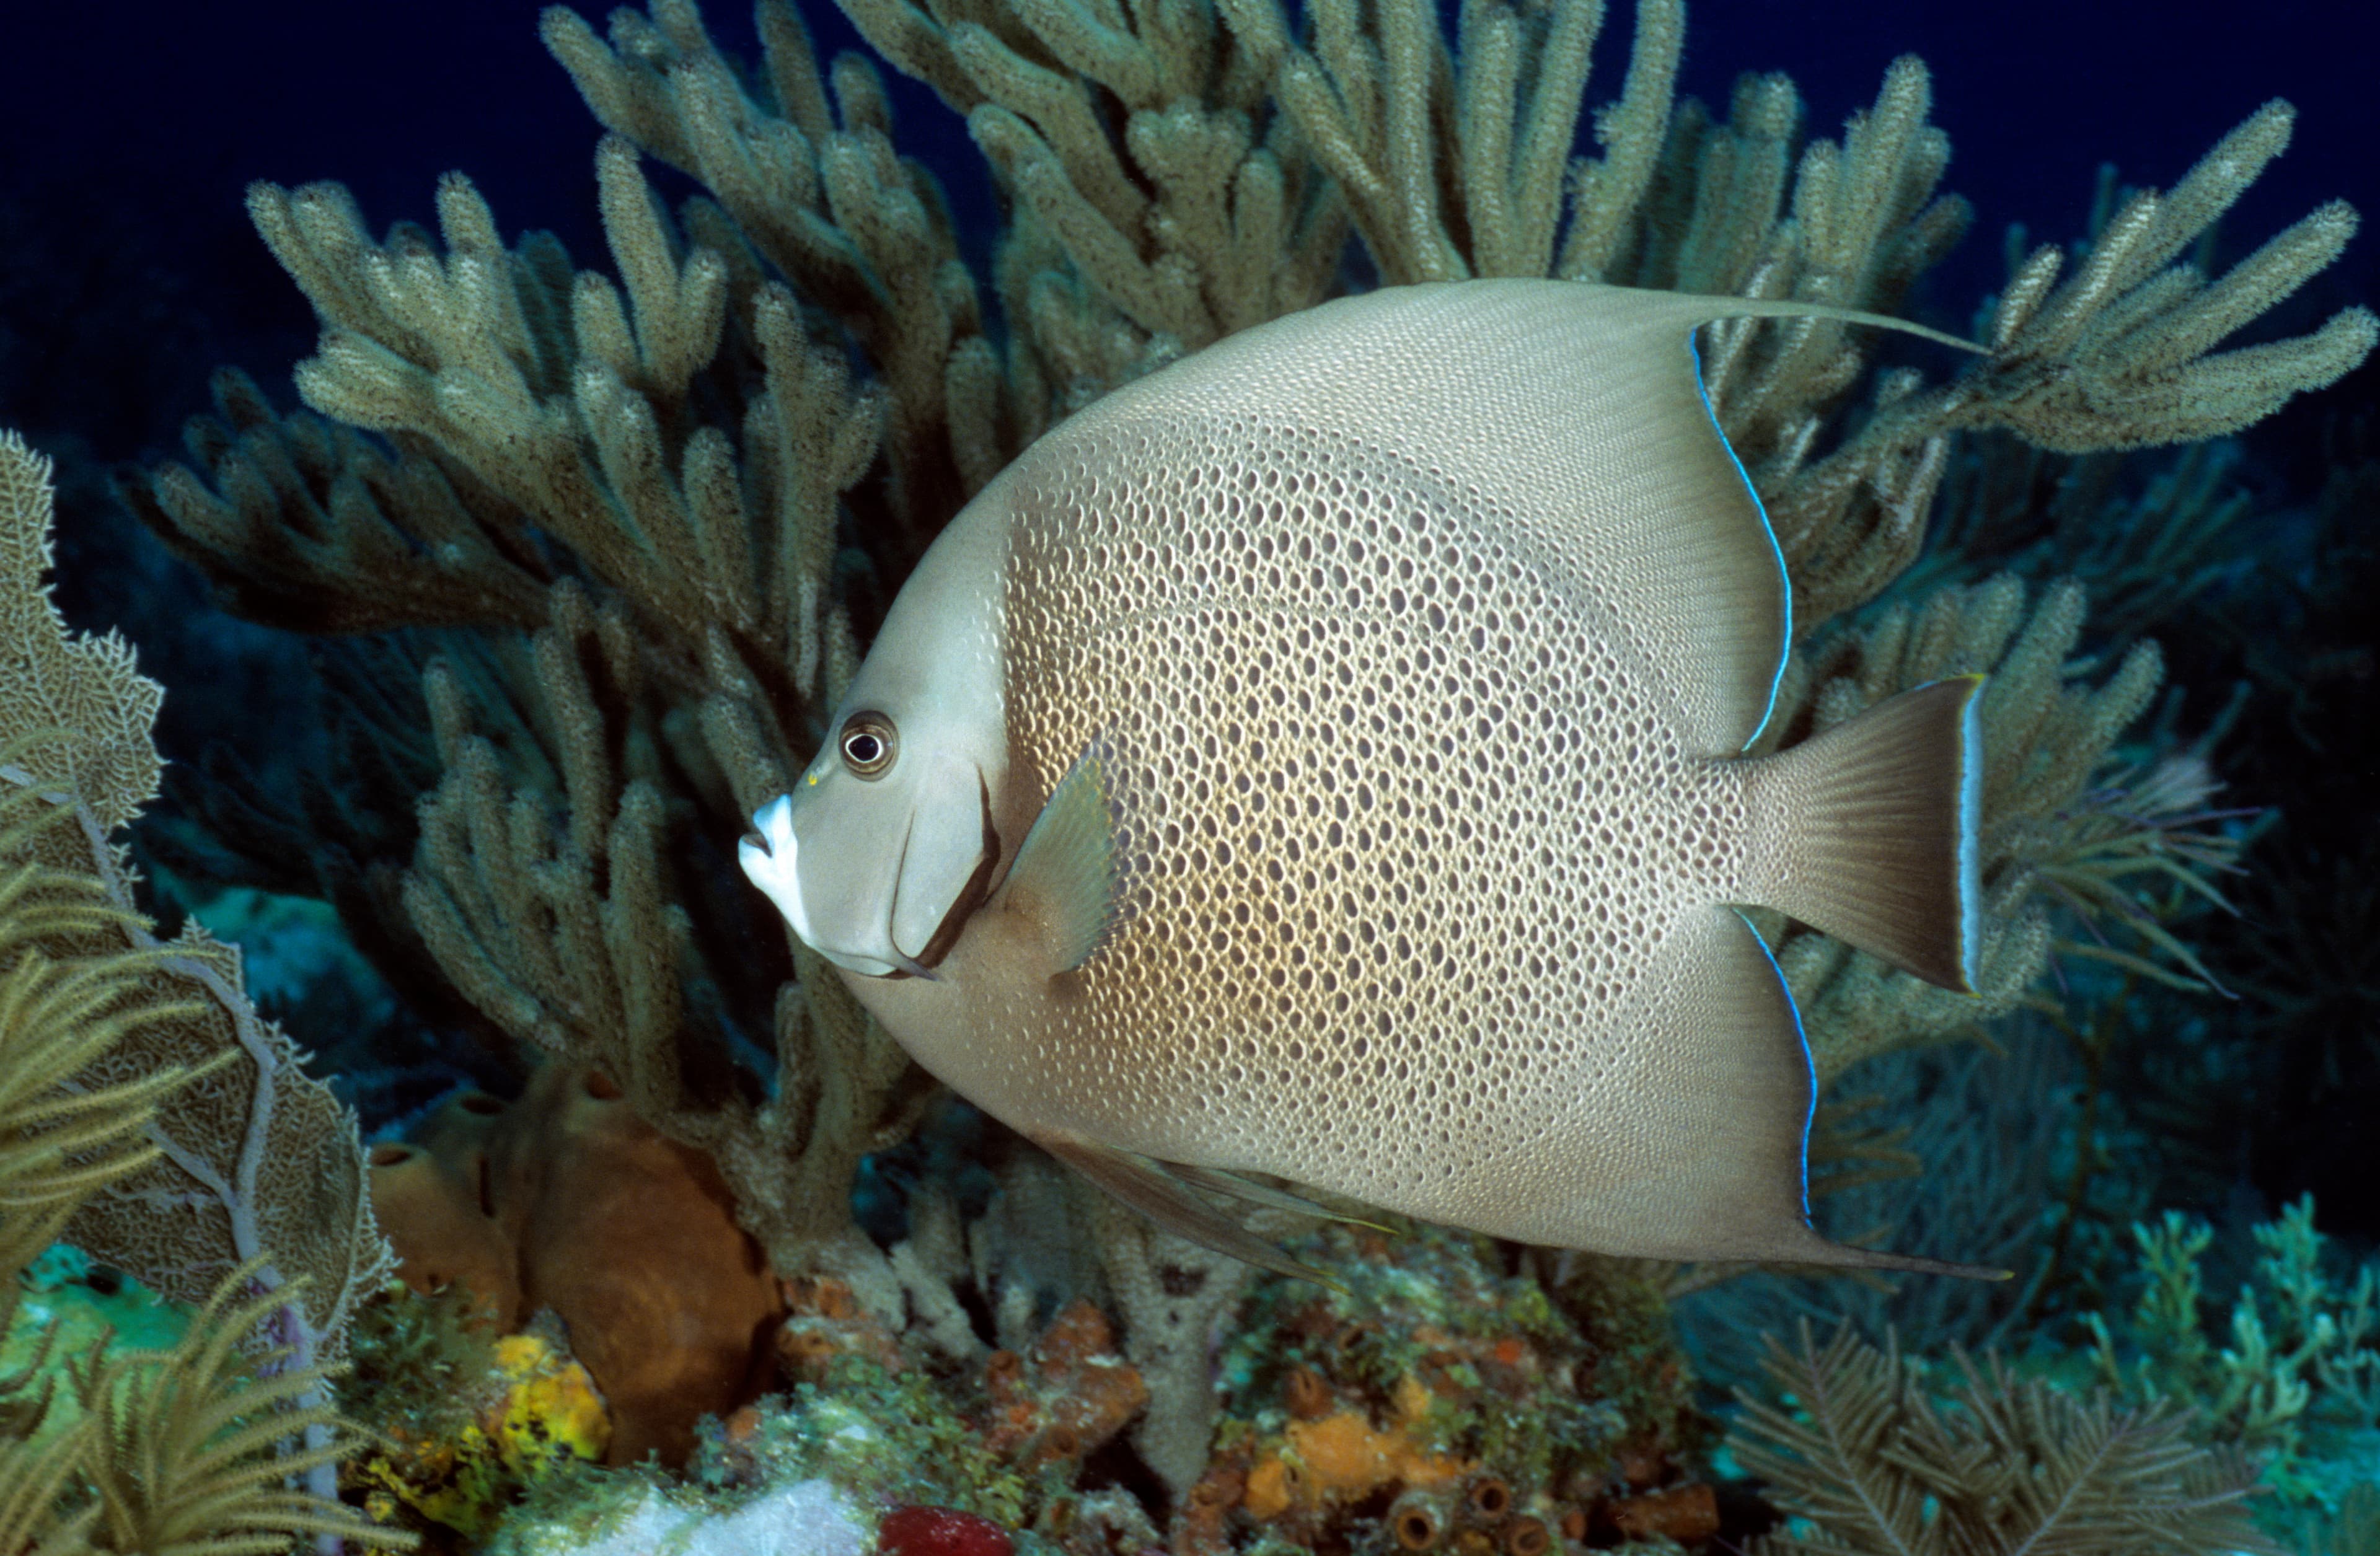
{"type": "Point", "coordinates": [1237, 1187]}
{"type": "Point", "coordinates": [1148, 1187]}
{"type": "Point", "coordinates": [1070, 870]}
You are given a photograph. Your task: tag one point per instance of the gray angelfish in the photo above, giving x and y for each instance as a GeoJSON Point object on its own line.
{"type": "Point", "coordinates": [1322, 758]}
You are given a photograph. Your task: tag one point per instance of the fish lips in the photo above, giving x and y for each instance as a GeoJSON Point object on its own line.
{"type": "Point", "coordinates": [859, 883]}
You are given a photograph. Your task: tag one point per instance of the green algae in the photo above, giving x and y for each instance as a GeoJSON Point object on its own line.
{"type": "Point", "coordinates": [71, 1309]}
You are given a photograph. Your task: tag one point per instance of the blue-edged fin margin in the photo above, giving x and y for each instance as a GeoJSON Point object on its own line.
{"type": "Point", "coordinates": [1694, 536]}
{"type": "Point", "coordinates": [1727, 1094]}
{"type": "Point", "coordinates": [1873, 828]}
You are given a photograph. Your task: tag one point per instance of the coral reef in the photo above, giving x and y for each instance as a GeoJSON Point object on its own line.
{"type": "Point", "coordinates": [1873, 1462]}
{"type": "Point", "coordinates": [1438, 1393]}
{"type": "Point", "coordinates": [565, 1201]}
{"type": "Point", "coordinates": [1439, 1396]}
{"type": "Point", "coordinates": [639, 526]}
{"type": "Point", "coordinates": [134, 1076]}
{"type": "Point", "coordinates": [607, 546]}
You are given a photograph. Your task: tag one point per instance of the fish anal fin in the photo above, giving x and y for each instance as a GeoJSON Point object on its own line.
{"type": "Point", "coordinates": [1872, 826]}
{"type": "Point", "coordinates": [1069, 871]}
{"type": "Point", "coordinates": [1723, 1092]}
{"type": "Point", "coordinates": [1146, 1186]}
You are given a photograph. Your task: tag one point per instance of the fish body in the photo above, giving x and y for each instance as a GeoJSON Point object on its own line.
{"type": "Point", "coordinates": [1322, 758]}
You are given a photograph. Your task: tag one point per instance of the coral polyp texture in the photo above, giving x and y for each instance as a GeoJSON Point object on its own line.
{"type": "Point", "coordinates": [595, 546]}
{"type": "Point", "coordinates": [1438, 1398]}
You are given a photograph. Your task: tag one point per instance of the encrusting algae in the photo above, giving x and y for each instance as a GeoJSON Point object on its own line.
{"type": "Point", "coordinates": [1436, 1398]}
{"type": "Point", "coordinates": [464, 1466]}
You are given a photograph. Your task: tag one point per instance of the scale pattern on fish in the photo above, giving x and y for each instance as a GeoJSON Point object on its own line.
{"type": "Point", "coordinates": [1322, 759]}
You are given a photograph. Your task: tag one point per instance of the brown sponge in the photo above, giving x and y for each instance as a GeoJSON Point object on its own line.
{"type": "Point", "coordinates": [567, 1200]}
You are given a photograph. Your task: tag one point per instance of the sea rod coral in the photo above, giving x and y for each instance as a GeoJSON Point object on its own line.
{"type": "Point", "coordinates": [609, 545]}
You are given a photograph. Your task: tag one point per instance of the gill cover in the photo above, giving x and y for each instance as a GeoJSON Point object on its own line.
{"type": "Point", "coordinates": [878, 876]}
{"type": "Point", "coordinates": [878, 872]}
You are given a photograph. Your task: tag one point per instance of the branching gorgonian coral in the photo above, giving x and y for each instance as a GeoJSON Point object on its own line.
{"type": "Point", "coordinates": [634, 530]}
{"type": "Point", "coordinates": [2299, 1377]}
{"type": "Point", "coordinates": [149, 1115]}
{"type": "Point", "coordinates": [1870, 1464]}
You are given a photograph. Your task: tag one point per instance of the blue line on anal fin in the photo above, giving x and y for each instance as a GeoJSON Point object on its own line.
{"type": "Point", "coordinates": [1148, 1187]}
{"type": "Point", "coordinates": [1069, 868]}
{"type": "Point", "coordinates": [1737, 1145]}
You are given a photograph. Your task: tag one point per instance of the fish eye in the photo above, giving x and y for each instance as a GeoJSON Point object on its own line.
{"type": "Point", "coordinates": [869, 743]}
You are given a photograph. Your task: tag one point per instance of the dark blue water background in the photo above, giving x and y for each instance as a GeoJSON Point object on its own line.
{"type": "Point", "coordinates": [128, 131]}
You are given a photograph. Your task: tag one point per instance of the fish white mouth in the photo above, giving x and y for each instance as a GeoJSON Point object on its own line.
{"type": "Point", "coordinates": [771, 857]}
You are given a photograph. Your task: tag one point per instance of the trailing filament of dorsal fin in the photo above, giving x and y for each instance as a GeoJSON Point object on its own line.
{"type": "Point", "coordinates": [1398, 657]}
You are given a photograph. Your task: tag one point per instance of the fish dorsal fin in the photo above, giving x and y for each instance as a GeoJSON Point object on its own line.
{"type": "Point", "coordinates": [1705, 572]}
{"type": "Point", "coordinates": [1578, 408]}
{"type": "Point", "coordinates": [1725, 1090]}
{"type": "Point", "coordinates": [1154, 1190]}
{"type": "Point", "coordinates": [1069, 870]}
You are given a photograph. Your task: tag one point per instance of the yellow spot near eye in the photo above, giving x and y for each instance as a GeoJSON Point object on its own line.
{"type": "Point", "coordinates": [812, 780]}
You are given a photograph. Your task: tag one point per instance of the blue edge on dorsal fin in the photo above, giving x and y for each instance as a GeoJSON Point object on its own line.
{"type": "Point", "coordinates": [1776, 681]}
{"type": "Point", "coordinates": [1768, 532]}
{"type": "Point", "coordinates": [1970, 786]}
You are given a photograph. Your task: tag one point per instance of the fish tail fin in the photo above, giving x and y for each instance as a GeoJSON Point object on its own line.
{"type": "Point", "coordinates": [1874, 826]}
